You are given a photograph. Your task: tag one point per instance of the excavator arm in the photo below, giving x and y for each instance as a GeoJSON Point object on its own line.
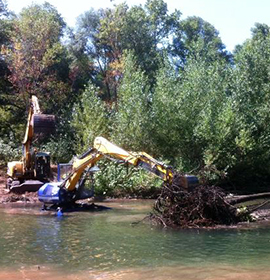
{"type": "Point", "coordinates": [70, 189]}
{"type": "Point", "coordinates": [145, 161]}
{"type": "Point", "coordinates": [140, 159]}
{"type": "Point", "coordinates": [36, 123]}
{"type": "Point", "coordinates": [88, 161]}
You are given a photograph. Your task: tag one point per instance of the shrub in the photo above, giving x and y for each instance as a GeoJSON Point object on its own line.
{"type": "Point", "coordinates": [8, 152]}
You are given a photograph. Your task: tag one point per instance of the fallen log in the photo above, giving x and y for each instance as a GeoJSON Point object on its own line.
{"type": "Point", "coordinates": [250, 197]}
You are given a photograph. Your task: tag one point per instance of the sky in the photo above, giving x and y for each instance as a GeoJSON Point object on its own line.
{"type": "Point", "coordinates": [232, 18]}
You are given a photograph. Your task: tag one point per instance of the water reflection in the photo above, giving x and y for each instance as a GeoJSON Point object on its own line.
{"type": "Point", "coordinates": [161, 273]}
{"type": "Point", "coordinates": [107, 242]}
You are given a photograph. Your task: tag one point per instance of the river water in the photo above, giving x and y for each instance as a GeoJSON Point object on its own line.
{"type": "Point", "coordinates": [110, 244]}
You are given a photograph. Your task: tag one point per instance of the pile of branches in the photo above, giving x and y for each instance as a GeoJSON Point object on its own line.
{"type": "Point", "coordinates": [205, 206]}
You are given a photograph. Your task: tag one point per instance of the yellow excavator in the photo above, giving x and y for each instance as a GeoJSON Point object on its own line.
{"type": "Point", "coordinates": [34, 169]}
{"type": "Point", "coordinates": [72, 189]}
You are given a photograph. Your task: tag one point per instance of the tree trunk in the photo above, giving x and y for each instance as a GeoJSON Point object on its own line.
{"type": "Point", "coordinates": [244, 198]}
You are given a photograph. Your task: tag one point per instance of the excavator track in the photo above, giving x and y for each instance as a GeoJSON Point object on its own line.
{"type": "Point", "coordinates": [26, 186]}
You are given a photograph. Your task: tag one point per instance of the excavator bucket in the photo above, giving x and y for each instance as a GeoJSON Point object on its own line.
{"type": "Point", "coordinates": [44, 123]}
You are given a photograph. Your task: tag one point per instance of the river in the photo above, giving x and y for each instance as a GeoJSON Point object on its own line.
{"type": "Point", "coordinates": [110, 244]}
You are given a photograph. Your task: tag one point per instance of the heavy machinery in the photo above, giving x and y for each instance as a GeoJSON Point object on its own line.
{"type": "Point", "coordinates": [72, 189]}
{"type": "Point", "coordinates": [33, 170]}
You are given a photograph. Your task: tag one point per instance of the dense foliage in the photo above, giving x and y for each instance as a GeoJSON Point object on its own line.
{"type": "Point", "coordinates": [145, 79]}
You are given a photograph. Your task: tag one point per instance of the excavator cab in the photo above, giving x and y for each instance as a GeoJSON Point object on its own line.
{"type": "Point", "coordinates": [63, 170]}
{"type": "Point", "coordinates": [42, 166]}
{"type": "Point", "coordinates": [55, 192]}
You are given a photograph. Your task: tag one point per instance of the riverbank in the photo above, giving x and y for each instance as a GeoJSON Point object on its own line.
{"type": "Point", "coordinates": [7, 198]}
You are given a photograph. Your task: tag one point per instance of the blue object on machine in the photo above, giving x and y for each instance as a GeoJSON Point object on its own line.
{"type": "Point", "coordinates": [59, 212]}
{"type": "Point", "coordinates": [50, 193]}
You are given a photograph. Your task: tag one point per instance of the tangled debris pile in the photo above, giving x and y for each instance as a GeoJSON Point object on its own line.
{"type": "Point", "coordinates": [205, 206]}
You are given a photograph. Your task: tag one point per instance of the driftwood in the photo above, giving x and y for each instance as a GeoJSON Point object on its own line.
{"type": "Point", "coordinates": [204, 206]}
{"type": "Point", "coordinates": [245, 198]}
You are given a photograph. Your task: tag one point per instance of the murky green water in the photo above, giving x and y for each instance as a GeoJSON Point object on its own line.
{"type": "Point", "coordinates": [108, 241]}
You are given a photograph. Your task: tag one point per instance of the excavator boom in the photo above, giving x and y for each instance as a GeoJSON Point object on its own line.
{"type": "Point", "coordinates": [140, 159]}
{"type": "Point", "coordinates": [70, 189]}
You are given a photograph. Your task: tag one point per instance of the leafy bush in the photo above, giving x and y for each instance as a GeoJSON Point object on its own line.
{"type": "Point", "coordinates": [191, 113]}
{"type": "Point", "coordinates": [60, 149]}
{"type": "Point", "coordinates": [8, 152]}
{"type": "Point", "coordinates": [132, 119]}
{"type": "Point", "coordinates": [90, 118]}
{"type": "Point", "coordinates": [114, 180]}
{"type": "Point", "coordinates": [251, 101]}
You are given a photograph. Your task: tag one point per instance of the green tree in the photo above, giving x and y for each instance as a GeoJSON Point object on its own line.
{"type": "Point", "coordinates": [36, 58]}
{"type": "Point", "coordinates": [90, 119]}
{"type": "Point", "coordinates": [131, 121]}
{"type": "Point", "coordinates": [191, 110]}
{"type": "Point", "coordinates": [197, 37]}
{"type": "Point", "coordinates": [165, 113]}
{"type": "Point", "coordinates": [251, 97]}
{"type": "Point", "coordinates": [104, 35]}
{"type": "Point", "coordinates": [89, 53]}
{"type": "Point", "coordinates": [7, 114]}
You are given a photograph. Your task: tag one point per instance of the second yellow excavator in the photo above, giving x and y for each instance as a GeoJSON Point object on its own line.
{"type": "Point", "coordinates": [72, 189]}
{"type": "Point", "coordinates": [34, 169]}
